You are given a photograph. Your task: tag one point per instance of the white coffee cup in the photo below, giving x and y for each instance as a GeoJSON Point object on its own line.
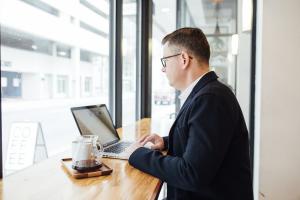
{"type": "Point", "coordinates": [86, 148]}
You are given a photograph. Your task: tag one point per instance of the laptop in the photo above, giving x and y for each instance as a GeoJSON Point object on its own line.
{"type": "Point", "coordinates": [96, 120]}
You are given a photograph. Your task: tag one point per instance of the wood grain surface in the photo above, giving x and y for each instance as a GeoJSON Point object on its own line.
{"type": "Point", "coordinates": [48, 180]}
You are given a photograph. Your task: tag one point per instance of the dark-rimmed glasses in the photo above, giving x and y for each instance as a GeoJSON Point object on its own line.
{"type": "Point", "coordinates": [163, 59]}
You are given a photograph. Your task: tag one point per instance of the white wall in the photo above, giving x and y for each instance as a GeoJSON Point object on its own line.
{"type": "Point", "coordinates": [278, 100]}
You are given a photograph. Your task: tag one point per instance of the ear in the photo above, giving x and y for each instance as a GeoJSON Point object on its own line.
{"type": "Point", "coordinates": [185, 59]}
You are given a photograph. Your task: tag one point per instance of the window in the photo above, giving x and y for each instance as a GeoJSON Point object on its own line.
{"type": "Point", "coordinates": [11, 84]}
{"type": "Point", "coordinates": [88, 85]}
{"type": "Point", "coordinates": [3, 82]}
{"type": "Point", "coordinates": [53, 57]}
{"type": "Point", "coordinates": [16, 82]}
{"type": "Point", "coordinates": [63, 51]}
{"type": "Point", "coordinates": [163, 95]}
{"type": "Point", "coordinates": [129, 56]}
{"type": "Point", "coordinates": [218, 22]}
{"type": "Point", "coordinates": [62, 85]}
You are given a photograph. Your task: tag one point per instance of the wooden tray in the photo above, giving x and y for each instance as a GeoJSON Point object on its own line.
{"type": "Point", "coordinates": [102, 171]}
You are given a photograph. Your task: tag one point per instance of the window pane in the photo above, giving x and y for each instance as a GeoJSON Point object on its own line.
{"type": "Point", "coordinates": [222, 59]}
{"type": "Point", "coordinates": [129, 56]}
{"type": "Point", "coordinates": [212, 17]}
{"type": "Point", "coordinates": [218, 21]}
{"type": "Point", "coordinates": [54, 55]}
{"type": "Point", "coordinates": [163, 96]}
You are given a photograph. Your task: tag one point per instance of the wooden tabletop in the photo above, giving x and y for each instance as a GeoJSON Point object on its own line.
{"type": "Point", "coordinates": [49, 180]}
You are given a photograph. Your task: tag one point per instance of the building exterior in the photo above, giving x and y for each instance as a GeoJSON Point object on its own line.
{"type": "Point", "coordinates": [44, 55]}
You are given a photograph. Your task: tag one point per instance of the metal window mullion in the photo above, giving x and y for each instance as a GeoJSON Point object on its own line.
{"type": "Point", "coordinates": [179, 14]}
{"type": "Point", "coordinates": [1, 163]}
{"type": "Point", "coordinates": [146, 57]}
{"type": "Point", "coordinates": [252, 86]}
{"type": "Point", "coordinates": [115, 92]}
{"type": "Point", "coordinates": [138, 61]}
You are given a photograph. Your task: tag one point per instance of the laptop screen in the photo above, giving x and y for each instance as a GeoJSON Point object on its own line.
{"type": "Point", "coordinates": [95, 120]}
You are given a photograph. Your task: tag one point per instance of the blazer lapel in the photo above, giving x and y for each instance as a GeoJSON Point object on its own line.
{"type": "Point", "coordinates": [210, 76]}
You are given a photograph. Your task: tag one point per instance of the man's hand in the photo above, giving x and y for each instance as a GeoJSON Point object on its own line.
{"type": "Point", "coordinates": [132, 148]}
{"type": "Point", "coordinates": [158, 142]}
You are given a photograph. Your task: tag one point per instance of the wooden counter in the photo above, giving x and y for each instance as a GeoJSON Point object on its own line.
{"type": "Point", "coordinates": [49, 180]}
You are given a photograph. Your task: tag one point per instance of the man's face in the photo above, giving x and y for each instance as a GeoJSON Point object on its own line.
{"type": "Point", "coordinates": [172, 68]}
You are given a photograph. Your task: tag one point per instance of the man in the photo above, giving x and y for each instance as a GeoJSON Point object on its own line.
{"type": "Point", "coordinates": [208, 148]}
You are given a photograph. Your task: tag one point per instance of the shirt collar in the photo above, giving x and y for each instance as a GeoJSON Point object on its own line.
{"type": "Point", "coordinates": [184, 95]}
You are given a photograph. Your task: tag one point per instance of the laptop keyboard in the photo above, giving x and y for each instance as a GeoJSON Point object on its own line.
{"type": "Point", "coordinates": [118, 148]}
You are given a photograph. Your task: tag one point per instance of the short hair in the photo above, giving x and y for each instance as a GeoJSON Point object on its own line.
{"type": "Point", "coordinates": [192, 39]}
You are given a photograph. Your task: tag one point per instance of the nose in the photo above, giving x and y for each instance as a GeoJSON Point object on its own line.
{"type": "Point", "coordinates": [163, 69]}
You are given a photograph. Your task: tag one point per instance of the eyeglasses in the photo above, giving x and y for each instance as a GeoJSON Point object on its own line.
{"type": "Point", "coordinates": [163, 59]}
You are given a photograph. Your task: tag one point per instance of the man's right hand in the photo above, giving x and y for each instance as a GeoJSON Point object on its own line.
{"type": "Point", "coordinates": [158, 142]}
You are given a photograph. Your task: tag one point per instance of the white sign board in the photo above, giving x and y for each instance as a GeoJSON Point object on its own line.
{"type": "Point", "coordinates": [21, 146]}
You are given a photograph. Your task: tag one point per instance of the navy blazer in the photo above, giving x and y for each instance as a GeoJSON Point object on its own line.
{"type": "Point", "coordinates": [208, 148]}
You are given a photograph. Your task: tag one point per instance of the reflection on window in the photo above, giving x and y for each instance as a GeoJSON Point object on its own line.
{"type": "Point", "coordinates": [53, 57]}
{"type": "Point", "coordinates": [218, 21]}
{"type": "Point", "coordinates": [222, 60]}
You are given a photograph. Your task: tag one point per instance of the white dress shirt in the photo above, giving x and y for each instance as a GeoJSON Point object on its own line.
{"type": "Point", "coordinates": [185, 94]}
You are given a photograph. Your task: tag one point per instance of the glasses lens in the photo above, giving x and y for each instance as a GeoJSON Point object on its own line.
{"type": "Point", "coordinates": [163, 62]}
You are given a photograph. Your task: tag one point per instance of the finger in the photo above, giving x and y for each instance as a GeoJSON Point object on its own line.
{"type": "Point", "coordinates": [156, 146]}
{"type": "Point", "coordinates": [150, 138]}
{"type": "Point", "coordinates": [143, 138]}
